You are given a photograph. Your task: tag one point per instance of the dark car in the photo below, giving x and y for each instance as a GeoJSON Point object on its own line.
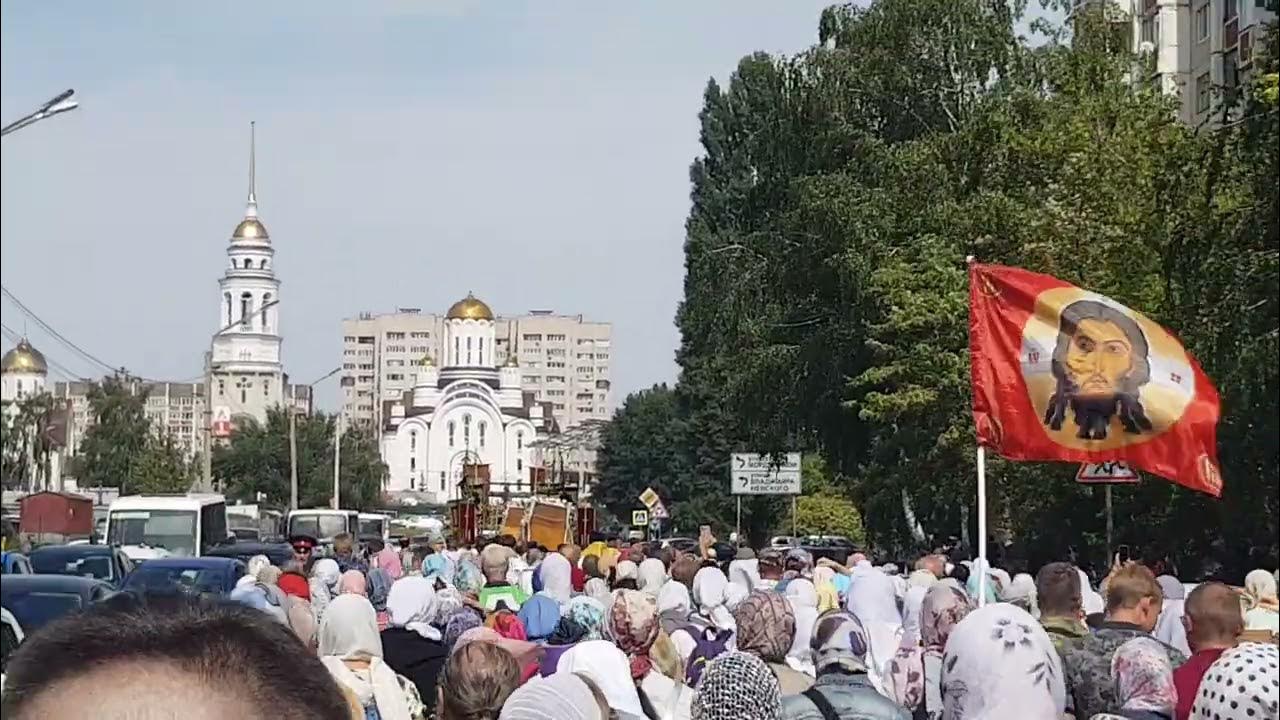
{"type": "Point", "coordinates": [101, 562]}
{"type": "Point", "coordinates": [197, 576]}
{"type": "Point", "coordinates": [277, 553]}
{"type": "Point", "coordinates": [34, 600]}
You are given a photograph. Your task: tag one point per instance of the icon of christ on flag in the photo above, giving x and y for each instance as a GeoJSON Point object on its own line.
{"type": "Point", "coordinates": [1061, 373]}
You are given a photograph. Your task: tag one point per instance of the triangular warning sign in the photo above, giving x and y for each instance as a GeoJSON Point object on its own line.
{"type": "Point", "coordinates": [1114, 472]}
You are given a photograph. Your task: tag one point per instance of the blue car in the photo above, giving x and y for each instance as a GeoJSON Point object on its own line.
{"type": "Point", "coordinates": [35, 600]}
{"type": "Point", "coordinates": [14, 563]}
{"type": "Point", "coordinates": [214, 576]}
{"type": "Point", "coordinates": [102, 562]}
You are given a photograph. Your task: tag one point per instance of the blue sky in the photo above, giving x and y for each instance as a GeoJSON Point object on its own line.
{"type": "Point", "coordinates": [408, 152]}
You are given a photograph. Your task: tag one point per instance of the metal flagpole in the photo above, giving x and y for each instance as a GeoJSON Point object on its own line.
{"type": "Point", "coordinates": [982, 526]}
{"type": "Point", "coordinates": [1106, 489]}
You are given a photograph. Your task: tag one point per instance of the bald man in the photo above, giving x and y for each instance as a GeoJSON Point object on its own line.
{"type": "Point", "coordinates": [1212, 619]}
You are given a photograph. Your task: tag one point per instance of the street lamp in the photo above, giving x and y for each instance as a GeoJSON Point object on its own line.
{"type": "Point", "coordinates": [63, 102]}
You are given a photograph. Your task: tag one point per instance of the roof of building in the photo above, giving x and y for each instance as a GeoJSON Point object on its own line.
{"type": "Point", "coordinates": [469, 308]}
{"type": "Point", "coordinates": [250, 228]}
{"type": "Point", "coordinates": [24, 359]}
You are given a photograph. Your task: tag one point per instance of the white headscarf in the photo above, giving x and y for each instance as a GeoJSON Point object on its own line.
{"type": "Point", "coordinates": [999, 663]}
{"type": "Point", "coordinates": [710, 594]}
{"type": "Point", "coordinates": [349, 631]}
{"type": "Point", "coordinates": [608, 668]}
{"type": "Point", "coordinates": [323, 584]}
{"type": "Point", "coordinates": [745, 573]}
{"type": "Point", "coordinates": [1092, 601]}
{"type": "Point", "coordinates": [873, 599]}
{"type": "Point", "coordinates": [911, 604]}
{"type": "Point", "coordinates": [1169, 629]}
{"type": "Point", "coordinates": [804, 603]}
{"type": "Point", "coordinates": [599, 589]}
{"type": "Point", "coordinates": [921, 578]}
{"type": "Point", "coordinates": [652, 576]}
{"type": "Point", "coordinates": [625, 569]}
{"type": "Point", "coordinates": [557, 577]}
{"type": "Point", "coordinates": [412, 606]}
{"type": "Point", "coordinates": [563, 696]}
{"type": "Point", "coordinates": [1021, 591]}
{"type": "Point", "coordinates": [674, 597]}
{"type": "Point", "coordinates": [256, 563]}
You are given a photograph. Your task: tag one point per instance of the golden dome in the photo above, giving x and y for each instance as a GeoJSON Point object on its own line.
{"type": "Point", "coordinates": [469, 308]}
{"type": "Point", "coordinates": [24, 359]}
{"type": "Point", "coordinates": [426, 361]}
{"type": "Point", "coordinates": [250, 228]}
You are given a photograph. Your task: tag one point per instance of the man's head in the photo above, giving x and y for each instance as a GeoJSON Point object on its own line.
{"type": "Point", "coordinates": [303, 547]}
{"type": "Point", "coordinates": [1058, 591]}
{"type": "Point", "coordinates": [935, 564]}
{"type": "Point", "coordinates": [769, 564]}
{"type": "Point", "coordinates": [636, 553]}
{"type": "Point", "coordinates": [1134, 596]}
{"type": "Point", "coordinates": [533, 555]}
{"type": "Point", "coordinates": [613, 542]}
{"type": "Point", "coordinates": [124, 659]}
{"type": "Point", "coordinates": [855, 559]}
{"type": "Point", "coordinates": [570, 552]}
{"type": "Point", "coordinates": [343, 544]}
{"type": "Point", "coordinates": [476, 680]}
{"type": "Point", "coordinates": [375, 546]}
{"type": "Point", "coordinates": [493, 562]}
{"type": "Point", "coordinates": [591, 566]}
{"type": "Point", "coordinates": [404, 543]}
{"type": "Point", "coordinates": [1211, 617]}
{"type": "Point", "coordinates": [506, 540]}
{"type": "Point", "coordinates": [667, 555]}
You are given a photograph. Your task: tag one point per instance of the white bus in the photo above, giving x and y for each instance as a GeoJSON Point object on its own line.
{"type": "Point", "coordinates": [152, 526]}
{"type": "Point", "coordinates": [375, 525]}
{"type": "Point", "coordinates": [323, 524]}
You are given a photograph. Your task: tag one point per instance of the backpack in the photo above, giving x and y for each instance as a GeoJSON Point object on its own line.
{"type": "Point", "coordinates": [708, 644]}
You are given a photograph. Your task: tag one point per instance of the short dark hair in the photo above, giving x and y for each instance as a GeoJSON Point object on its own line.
{"type": "Point", "coordinates": [375, 545]}
{"type": "Point", "coordinates": [1214, 609]}
{"type": "Point", "coordinates": [1058, 591]}
{"type": "Point", "coordinates": [506, 539]}
{"type": "Point", "coordinates": [226, 645]}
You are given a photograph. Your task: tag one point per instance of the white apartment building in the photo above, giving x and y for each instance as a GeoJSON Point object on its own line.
{"type": "Point", "coordinates": [1202, 50]}
{"type": "Point", "coordinates": [564, 360]}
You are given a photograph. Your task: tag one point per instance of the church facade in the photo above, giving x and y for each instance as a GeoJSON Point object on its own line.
{"type": "Point", "coordinates": [469, 409]}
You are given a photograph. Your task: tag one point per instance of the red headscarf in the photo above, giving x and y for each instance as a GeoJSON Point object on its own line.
{"type": "Point", "coordinates": [294, 584]}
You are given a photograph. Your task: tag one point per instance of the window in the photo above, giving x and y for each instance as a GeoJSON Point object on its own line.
{"type": "Point", "coordinates": [457, 352]}
{"type": "Point", "coordinates": [555, 338]}
{"type": "Point", "coordinates": [1202, 23]}
{"type": "Point", "coordinates": [532, 337]}
{"type": "Point", "coordinates": [348, 338]}
{"type": "Point", "coordinates": [520, 440]}
{"type": "Point", "coordinates": [266, 300]}
{"type": "Point", "coordinates": [263, 264]}
{"type": "Point", "coordinates": [1202, 93]}
{"type": "Point", "coordinates": [1150, 31]}
{"type": "Point", "coordinates": [529, 379]}
{"type": "Point", "coordinates": [555, 378]}
{"type": "Point", "coordinates": [441, 481]}
{"type": "Point", "coordinates": [365, 340]}
{"type": "Point", "coordinates": [586, 341]}
{"type": "Point", "coordinates": [246, 311]}
{"type": "Point", "coordinates": [395, 336]}
{"type": "Point", "coordinates": [413, 442]}
{"type": "Point", "coordinates": [466, 430]}
{"type": "Point", "coordinates": [1230, 10]}
{"type": "Point", "coordinates": [222, 388]}
{"type": "Point", "coordinates": [556, 352]}
{"type": "Point", "coordinates": [395, 363]}
{"type": "Point", "coordinates": [481, 351]}
{"type": "Point", "coordinates": [419, 335]}
{"type": "Point", "coordinates": [395, 376]}
{"type": "Point", "coordinates": [451, 429]}
{"type": "Point", "coordinates": [468, 351]}
{"type": "Point", "coordinates": [266, 388]}
{"type": "Point", "coordinates": [410, 476]}
{"type": "Point", "coordinates": [226, 304]}
{"type": "Point", "coordinates": [555, 363]}
{"type": "Point", "coordinates": [413, 464]}
{"type": "Point", "coordinates": [519, 464]}
{"type": "Point", "coordinates": [558, 406]}
{"type": "Point", "coordinates": [483, 427]}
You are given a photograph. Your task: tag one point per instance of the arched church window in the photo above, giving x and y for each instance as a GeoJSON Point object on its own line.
{"type": "Point", "coordinates": [441, 481]}
{"type": "Point", "coordinates": [263, 264]}
{"type": "Point", "coordinates": [520, 440]}
{"type": "Point", "coordinates": [481, 351]}
{"type": "Point", "coordinates": [457, 354]}
{"type": "Point", "coordinates": [451, 428]}
{"type": "Point", "coordinates": [413, 442]}
{"type": "Point", "coordinates": [246, 311]}
{"type": "Point", "coordinates": [519, 465]}
{"type": "Point", "coordinates": [266, 300]}
{"type": "Point", "coordinates": [226, 308]}
{"type": "Point", "coordinates": [466, 430]}
{"type": "Point", "coordinates": [482, 429]}
{"type": "Point", "coordinates": [469, 351]}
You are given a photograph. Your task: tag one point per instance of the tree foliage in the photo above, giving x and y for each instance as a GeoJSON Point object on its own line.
{"type": "Point", "coordinates": [27, 445]}
{"type": "Point", "coordinates": [120, 446]}
{"type": "Point", "coordinates": [256, 460]}
{"type": "Point", "coordinates": [837, 197]}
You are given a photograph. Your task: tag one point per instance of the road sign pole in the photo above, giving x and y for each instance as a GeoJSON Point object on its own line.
{"type": "Point", "coordinates": [739, 528]}
{"type": "Point", "coordinates": [793, 516]}
{"type": "Point", "coordinates": [1106, 490]}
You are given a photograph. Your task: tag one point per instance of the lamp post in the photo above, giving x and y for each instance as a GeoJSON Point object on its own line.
{"type": "Point", "coordinates": [207, 476]}
{"type": "Point", "coordinates": [61, 103]}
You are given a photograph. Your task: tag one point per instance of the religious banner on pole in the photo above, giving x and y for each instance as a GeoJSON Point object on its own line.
{"type": "Point", "coordinates": [1061, 373]}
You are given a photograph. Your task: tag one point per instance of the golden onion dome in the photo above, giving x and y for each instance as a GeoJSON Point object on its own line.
{"type": "Point", "coordinates": [469, 308]}
{"type": "Point", "coordinates": [250, 228]}
{"type": "Point", "coordinates": [426, 361]}
{"type": "Point", "coordinates": [24, 359]}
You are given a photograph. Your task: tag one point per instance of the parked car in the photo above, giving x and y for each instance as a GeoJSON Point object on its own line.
{"type": "Point", "coordinates": [35, 600]}
{"type": "Point", "coordinates": [277, 553]}
{"type": "Point", "coordinates": [103, 562]}
{"type": "Point", "coordinates": [11, 636]}
{"type": "Point", "coordinates": [683, 544]}
{"type": "Point", "coordinates": [15, 563]}
{"type": "Point", "coordinates": [199, 576]}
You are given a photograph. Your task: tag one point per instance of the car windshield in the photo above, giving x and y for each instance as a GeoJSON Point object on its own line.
{"type": "Point", "coordinates": [60, 563]}
{"type": "Point", "coordinates": [172, 530]}
{"type": "Point", "coordinates": [371, 528]}
{"type": "Point", "coordinates": [33, 610]}
{"type": "Point", "coordinates": [323, 527]}
{"type": "Point", "coordinates": [194, 580]}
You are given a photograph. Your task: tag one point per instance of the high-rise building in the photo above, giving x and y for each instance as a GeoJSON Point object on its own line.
{"type": "Point", "coordinates": [564, 360]}
{"type": "Point", "coordinates": [1200, 51]}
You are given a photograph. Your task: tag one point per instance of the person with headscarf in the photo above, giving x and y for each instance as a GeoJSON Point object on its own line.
{"type": "Point", "coordinates": [256, 565]}
{"type": "Point", "coordinates": [384, 556]}
{"type": "Point", "coordinates": [1169, 629]}
{"type": "Point", "coordinates": [467, 578]}
{"type": "Point", "coordinates": [684, 569]}
{"type": "Point", "coordinates": [766, 626]}
{"type": "Point", "coordinates": [437, 565]}
{"type": "Point", "coordinates": [633, 626]}
{"type": "Point", "coordinates": [379, 586]}
{"type": "Point", "coordinates": [609, 669]}
{"type": "Point", "coordinates": [873, 599]}
{"type": "Point", "coordinates": [914, 677]}
{"type": "Point", "coordinates": [674, 606]}
{"type": "Point", "coordinates": [980, 568]}
{"type": "Point", "coordinates": [838, 651]}
{"type": "Point", "coordinates": [253, 594]}
{"type": "Point", "coordinates": [744, 569]}
{"type": "Point", "coordinates": [626, 575]}
{"type": "Point", "coordinates": [1144, 681]}
{"type": "Point", "coordinates": [323, 584]}
{"type": "Point", "coordinates": [824, 584]}
{"type": "Point", "coordinates": [557, 578]}
{"type": "Point", "coordinates": [351, 650]}
{"type": "Point", "coordinates": [912, 601]}
{"type": "Point", "coordinates": [999, 663]}
{"type": "Point", "coordinates": [352, 582]}
{"type": "Point", "coordinates": [651, 576]}
{"type": "Point", "coordinates": [563, 696]}
{"type": "Point", "coordinates": [710, 596]}
{"type": "Point", "coordinates": [539, 614]}
{"type": "Point", "coordinates": [596, 586]}
{"type": "Point", "coordinates": [1241, 685]}
{"type": "Point", "coordinates": [804, 603]}
{"type": "Point", "coordinates": [1022, 592]}
{"type": "Point", "coordinates": [1264, 608]}
{"type": "Point", "coordinates": [411, 645]}
{"type": "Point", "coordinates": [458, 623]}
{"type": "Point", "coordinates": [1091, 601]}
{"type": "Point", "coordinates": [737, 686]}
{"type": "Point", "coordinates": [589, 613]}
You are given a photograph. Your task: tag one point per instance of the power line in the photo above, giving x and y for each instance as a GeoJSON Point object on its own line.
{"type": "Point", "coordinates": [59, 336]}
{"type": "Point", "coordinates": [15, 338]}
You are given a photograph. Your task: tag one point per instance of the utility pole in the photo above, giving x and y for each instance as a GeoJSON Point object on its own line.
{"type": "Point", "coordinates": [337, 461]}
{"type": "Point", "coordinates": [293, 457]}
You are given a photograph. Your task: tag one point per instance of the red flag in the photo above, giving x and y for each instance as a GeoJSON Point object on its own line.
{"type": "Point", "coordinates": [1061, 373]}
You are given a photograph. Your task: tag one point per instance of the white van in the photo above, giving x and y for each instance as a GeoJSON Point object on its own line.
{"type": "Point", "coordinates": [323, 524]}
{"type": "Point", "coordinates": [152, 526]}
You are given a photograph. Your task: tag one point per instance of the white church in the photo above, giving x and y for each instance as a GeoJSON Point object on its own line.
{"type": "Point", "coordinates": [466, 411]}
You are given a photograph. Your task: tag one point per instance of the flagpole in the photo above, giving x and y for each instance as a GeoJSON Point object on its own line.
{"type": "Point", "coordinates": [982, 526]}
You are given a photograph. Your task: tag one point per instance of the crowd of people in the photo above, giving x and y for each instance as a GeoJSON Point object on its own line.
{"type": "Point", "coordinates": [500, 631]}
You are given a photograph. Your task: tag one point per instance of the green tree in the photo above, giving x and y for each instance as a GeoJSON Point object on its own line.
{"type": "Point", "coordinates": [256, 460]}
{"type": "Point", "coordinates": [117, 437]}
{"type": "Point", "coordinates": [824, 508]}
{"type": "Point", "coordinates": [161, 469]}
{"type": "Point", "coordinates": [644, 446]}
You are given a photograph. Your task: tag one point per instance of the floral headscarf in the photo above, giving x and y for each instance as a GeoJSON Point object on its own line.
{"type": "Point", "coordinates": [633, 625]}
{"type": "Point", "coordinates": [999, 662]}
{"type": "Point", "coordinates": [737, 686]}
{"type": "Point", "coordinates": [766, 625]}
{"type": "Point", "coordinates": [589, 613]}
{"type": "Point", "coordinates": [467, 577]}
{"type": "Point", "coordinates": [1144, 677]}
{"type": "Point", "coordinates": [915, 671]}
{"type": "Point", "coordinates": [839, 642]}
{"type": "Point", "coordinates": [458, 623]}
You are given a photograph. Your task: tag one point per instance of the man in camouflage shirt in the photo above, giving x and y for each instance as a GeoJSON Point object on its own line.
{"type": "Point", "coordinates": [1133, 606]}
{"type": "Point", "coordinates": [1061, 604]}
